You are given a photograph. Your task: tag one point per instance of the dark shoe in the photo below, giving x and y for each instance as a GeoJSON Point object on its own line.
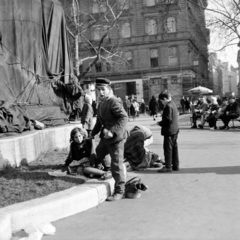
{"type": "Point", "coordinates": [165, 170]}
{"type": "Point", "coordinates": [66, 169]}
{"type": "Point", "coordinates": [222, 127]}
{"type": "Point", "coordinates": [215, 127]}
{"type": "Point", "coordinates": [200, 126]}
{"type": "Point", "coordinates": [142, 187]}
{"type": "Point", "coordinates": [115, 197]}
{"type": "Point", "coordinates": [175, 168]}
{"type": "Point", "coordinates": [194, 126]}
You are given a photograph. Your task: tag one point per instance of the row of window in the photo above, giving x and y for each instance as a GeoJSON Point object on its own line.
{"type": "Point", "coordinates": [150, 28]}
{"type": "Point", "coordinates": [100, 6]}
{"type": "Point", "coordinates": [154, 59]}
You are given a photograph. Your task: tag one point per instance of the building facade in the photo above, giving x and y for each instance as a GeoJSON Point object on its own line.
{"type": "Point", "coordinates": [163, 43]}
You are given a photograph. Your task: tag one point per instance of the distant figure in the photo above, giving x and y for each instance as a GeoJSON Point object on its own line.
{"type": "Point", "coordinates": [143, 107]}
{"type": "Point", "coordinates": [187, 104]}
{"type": "Point", "coordinates": [182, 103]}
{"type": "Point", "coordinates": [127, 105]}
{"type": "Point", "coordinates": [231, 112]}
{"type": "Point", "coordinates": [87, 114]}
{"type": "Point", "coordinates": [219, 100]}
{"type": "Point", "coordinates": [134, 109]}
{"type": "Point", "coordinates": [153, 107]}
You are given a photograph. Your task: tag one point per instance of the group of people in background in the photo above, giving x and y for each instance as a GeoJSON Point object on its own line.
{"type": "Point", "coordinates": [210, 110]}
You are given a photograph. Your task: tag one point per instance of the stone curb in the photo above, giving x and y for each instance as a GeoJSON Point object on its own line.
{"type": "Point", "coordinates": [53, 207]}
{"type": "Point", "coordinates": [28, 146]}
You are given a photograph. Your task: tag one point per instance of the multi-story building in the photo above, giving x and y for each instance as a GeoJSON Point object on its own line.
{"type": "Point", "coordinates": [215, 74]}
{"type": "Point", "coordinates": [164, 43]}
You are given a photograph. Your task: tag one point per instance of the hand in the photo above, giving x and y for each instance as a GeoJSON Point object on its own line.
{"type": "Point", "coordinates": [107, 133]}
{"type": "Point", "coordinates": [91, 137]}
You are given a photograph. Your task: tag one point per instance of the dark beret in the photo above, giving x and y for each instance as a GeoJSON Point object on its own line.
{"type": "Point", "coordinates": [102, 82]}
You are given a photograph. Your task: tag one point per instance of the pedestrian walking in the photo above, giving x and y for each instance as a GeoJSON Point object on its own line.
{"type": "Point", "coordinates": [182, 103]}
{"type": "Point", "coordinates": [143, 107]}
{"type": "Point", "coordinates": [111, 123]}
{"type": "Point", "coordinates": [153, 107]}
{"type": "Point", "coordinates": [187, 104]}
{"type": "Point", "coordinates": [127, 105]}
{"type": "Point", "coordinates": [170, 132]}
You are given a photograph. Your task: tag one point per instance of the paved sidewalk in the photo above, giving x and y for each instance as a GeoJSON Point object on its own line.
{"type": "Point", "coordinates": [199, 202]}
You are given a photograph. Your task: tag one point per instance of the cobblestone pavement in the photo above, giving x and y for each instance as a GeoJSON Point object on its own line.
{"type": "Point", "coordinates": [199, 202]}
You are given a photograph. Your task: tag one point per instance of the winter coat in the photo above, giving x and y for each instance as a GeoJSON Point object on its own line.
{"type": "Point", "coordinates": [153, 106]}
{"type": "Point", "coordinates": [87, 113]}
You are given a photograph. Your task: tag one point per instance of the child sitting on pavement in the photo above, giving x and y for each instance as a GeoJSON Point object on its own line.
{"type": "Point", "coordinates": [83, 151]}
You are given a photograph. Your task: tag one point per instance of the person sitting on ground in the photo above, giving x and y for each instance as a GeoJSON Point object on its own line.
{"type": "Point", "coordinates": [135, 151]}
{"type": "Point", "coordinates": [231, 112]}
{"type": "Point", "coordinates": [208, 115]}
{"type": "Point", "coordinates": [83, 151]}
{"type": "Point", "coordinates": [198, 110]}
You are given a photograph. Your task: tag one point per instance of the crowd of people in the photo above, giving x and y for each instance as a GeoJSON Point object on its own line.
{"type": "Point", "coordinates": [213, 109]}
{"type": "Point", "coordinates": [121, 149]}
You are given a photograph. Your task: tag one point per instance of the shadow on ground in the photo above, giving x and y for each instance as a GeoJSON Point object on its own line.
{"type": "Point", "coordinates": [228, 170]}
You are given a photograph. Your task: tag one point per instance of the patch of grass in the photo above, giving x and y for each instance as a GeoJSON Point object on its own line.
{"type": "Point", "coordinates": [32, 180]}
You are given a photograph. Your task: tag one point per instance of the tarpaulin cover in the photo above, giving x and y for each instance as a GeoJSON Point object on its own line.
{"type": "Point", "coordinates": [34, 48]}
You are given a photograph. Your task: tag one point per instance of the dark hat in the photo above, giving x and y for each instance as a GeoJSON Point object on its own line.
{"type": "Point", "coordinates": [102, 82]}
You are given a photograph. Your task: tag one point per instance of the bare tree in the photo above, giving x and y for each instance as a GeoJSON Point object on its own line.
{"type": "Point", "coordinates": [223, 19]}
{"type": "Point", "coordinates": [103, 19]}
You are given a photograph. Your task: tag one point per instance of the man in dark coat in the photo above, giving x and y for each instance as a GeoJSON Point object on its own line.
{"type": "Point", "coordinates": [111, 123]}
{"type": "Point", "coordinates": [231, 112]}
{"type": "Point", "coordinates": [182, 102]}
{"type": "Point", "coordinates": [153, 107]}
{"type": "Point", "coordinates": [170, 132]}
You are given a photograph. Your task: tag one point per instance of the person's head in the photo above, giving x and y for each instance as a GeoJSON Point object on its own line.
{"type": "Point", "coordinates": [77, 135]}
{"type": "Point", "coordinates": [224, 100]}
{"type": "Point", "coordinates": [231, 99]}
{"type": "Point", "coordinates": [73, 79]}
{"type": "Point", "coordinates": [104, 88]}
{"type": "Point", "coordinates": [153, 97]}
{"type": "Point", "coordinates": [143, 100]}
{"type": "Point", "coordinates": [214, 100]}
{"type": "Point", "coordinates": [126, 97]}
{"type": "Point", "coordinates": [165, 97]}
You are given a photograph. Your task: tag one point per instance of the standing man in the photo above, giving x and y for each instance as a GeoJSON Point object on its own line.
{"type": "Point", "coordinates": [182, 102]}
{"type": "Point", "coordinates": [111, 123]}
{"type": "Point", "coordinates": [170, 132]}
{"type": "Point", "coordinates": [127, 105]}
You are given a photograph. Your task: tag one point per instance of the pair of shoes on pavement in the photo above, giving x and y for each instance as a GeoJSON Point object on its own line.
{"type": "Point", "coordinates": [115, 197]}
{"type": "Point", "coordinates": [168, 170]}
{"type": "Point", "coordinates": [200, 126]}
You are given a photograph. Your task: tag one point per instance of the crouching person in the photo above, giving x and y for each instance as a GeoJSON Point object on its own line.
{"type": "Point", "coordinates": [111, 123]}
{"type": "Point", "coordinates": [137, 156]}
